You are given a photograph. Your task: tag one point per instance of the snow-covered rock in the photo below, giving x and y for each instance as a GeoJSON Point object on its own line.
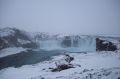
{"type": "Point", "coordinates": [12, 37]}
{"type": "Point", "coordinates": [6, 32]}
{"type": "Point", "coordinates": [105, 45]}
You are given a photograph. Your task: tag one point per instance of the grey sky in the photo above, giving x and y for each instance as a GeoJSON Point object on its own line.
{"type": "Point", "coordinates": [62, 16]}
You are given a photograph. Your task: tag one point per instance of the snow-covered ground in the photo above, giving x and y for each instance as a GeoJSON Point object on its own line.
{"type": "Point", "coordinates": [97, 65]}
{"type": "Point", "coordinates": [10, 51]}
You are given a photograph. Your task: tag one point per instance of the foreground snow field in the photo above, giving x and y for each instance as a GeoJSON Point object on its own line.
{"type": "Point", "coordinates": [97, 65]}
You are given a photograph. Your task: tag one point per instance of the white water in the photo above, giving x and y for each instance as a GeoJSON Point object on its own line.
{"type": "Point", "coordinates": [85, 43]}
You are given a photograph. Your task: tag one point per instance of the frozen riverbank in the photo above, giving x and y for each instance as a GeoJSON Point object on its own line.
{"type": "Point", "coordinates": [93, 65]}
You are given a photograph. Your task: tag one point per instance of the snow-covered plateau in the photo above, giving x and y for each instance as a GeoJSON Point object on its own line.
{"type": "Point", "coordinates": [94, 65]}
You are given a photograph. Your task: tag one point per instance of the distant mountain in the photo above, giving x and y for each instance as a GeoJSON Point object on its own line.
{"type": "Point", "coordinates": [12, 37]}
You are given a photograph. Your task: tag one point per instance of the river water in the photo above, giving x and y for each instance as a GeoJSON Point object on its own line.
{"type": "Point", "coordinates": [27, 58]}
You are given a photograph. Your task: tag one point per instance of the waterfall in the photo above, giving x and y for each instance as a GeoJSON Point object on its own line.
{"type": "Point", "coordinates": [76, 44]}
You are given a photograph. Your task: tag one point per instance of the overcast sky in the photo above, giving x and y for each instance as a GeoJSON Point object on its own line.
{"type": "Point", "coordinates": [62, 16]}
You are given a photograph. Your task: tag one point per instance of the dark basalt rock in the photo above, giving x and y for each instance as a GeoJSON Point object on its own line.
{"type": "Point", "coordinates": [62, 67]}
{"type": "Point", "coordinates": [104, 45]}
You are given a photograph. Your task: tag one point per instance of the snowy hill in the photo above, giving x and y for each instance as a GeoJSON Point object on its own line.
{"type": "Point", "coordinates": [12, 37]}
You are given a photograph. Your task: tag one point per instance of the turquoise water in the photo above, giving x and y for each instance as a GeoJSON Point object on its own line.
{"type": "Point", "coordinates": [27, 58]}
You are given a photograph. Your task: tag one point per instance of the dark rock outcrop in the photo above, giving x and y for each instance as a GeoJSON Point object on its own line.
{"type": "Point", "coordinates": [104, 45]}
{"type": "Point", "coordinates": [62, 67]}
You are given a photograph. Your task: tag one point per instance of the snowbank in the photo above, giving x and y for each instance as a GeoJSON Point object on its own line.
{"type": "Point", "coordinates": [93, 66]}
{"type": "Point", "coordinates": [10, 51]}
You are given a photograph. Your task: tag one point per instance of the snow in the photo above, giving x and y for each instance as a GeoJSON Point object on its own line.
{"type": "Point", "coordinates": [21, 41]}
{"type": "Point", "coordinates": [6, 32]}
{"type": "Point", "coordinates": [113, 40]}
{"type": "Point", "coordinates": [96, 65]}
{"type": "Point", "coordinates": [10, 51]}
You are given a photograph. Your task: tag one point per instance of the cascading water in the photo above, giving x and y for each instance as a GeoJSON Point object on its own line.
{"type": "Point", "coordinates": [70, 43]}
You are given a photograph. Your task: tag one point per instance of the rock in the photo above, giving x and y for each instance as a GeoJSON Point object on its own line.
{"type": "Point", "coordinates": [62, 67]}
{"type": "Point", "coordinates": [12, 37]}
{"type": "Point", "coordinates": [104, 45]}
